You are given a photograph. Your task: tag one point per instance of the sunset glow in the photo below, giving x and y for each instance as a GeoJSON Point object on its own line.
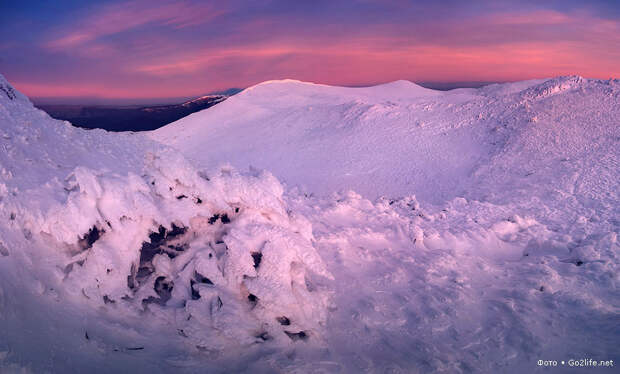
{"type": "Point", "coordinates": [144, 49]}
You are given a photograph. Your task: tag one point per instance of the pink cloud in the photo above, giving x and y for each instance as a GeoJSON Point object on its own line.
{"type": "Point", "coordinates": [493, 47]}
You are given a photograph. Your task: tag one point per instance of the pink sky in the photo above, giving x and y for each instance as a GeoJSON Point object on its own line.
{"type": "Point", "coordinates": [180, 49]}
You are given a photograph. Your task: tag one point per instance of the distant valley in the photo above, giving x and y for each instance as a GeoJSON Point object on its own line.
{"type": "Point", "coordinates": [128, 118]}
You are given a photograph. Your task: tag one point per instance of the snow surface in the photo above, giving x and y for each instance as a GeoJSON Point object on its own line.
{"type": "Point", "coordinates": [482, 236]}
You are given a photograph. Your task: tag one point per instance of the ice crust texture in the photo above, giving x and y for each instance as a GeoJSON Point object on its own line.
{"type": "Point", "coordinates": [481, 236]}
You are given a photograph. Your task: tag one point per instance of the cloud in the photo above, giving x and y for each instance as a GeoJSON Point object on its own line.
{"type": "Point", "coordinates": [158, 49]}
{"type": "Point", "coordinates": [540, 17]}
{"type": "Point", "coordinates": [509, 43]}
{"type": "Point", "coordinates": [117, 18]}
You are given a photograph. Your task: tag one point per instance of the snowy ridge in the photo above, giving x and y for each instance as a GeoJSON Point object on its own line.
{"type": "Point", "coordinates": [483, 237]}
{"type": "Point", "coordinates": [554, 86]}
{"type": "Point", "coordinates": [391, 142]}
{"type": "Point", "coordinates": [216, 98]}
{"type": "Point", "coordinates": [292, 86]}
{"type": "Point", "coordinates": [10, 94]}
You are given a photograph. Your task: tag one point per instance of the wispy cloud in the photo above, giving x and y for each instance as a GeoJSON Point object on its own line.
{"type": "Point", "coordinates": [540, 17]}
{"type": "Point", "coordinates": [509, 43]}
{"type": "Point", "coordinates": [117, 18]}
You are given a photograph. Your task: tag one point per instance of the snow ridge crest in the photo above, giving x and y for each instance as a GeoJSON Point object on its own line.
{"type": "Point", "coordinates": [565, 84]}
{"type": "Point", "coordinates": [9, 94]}
{"type": "Point", "coordinates": [7, 89]}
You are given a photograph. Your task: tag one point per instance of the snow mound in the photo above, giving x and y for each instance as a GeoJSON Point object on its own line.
{"type": "Point", "coordinates": [220, 249]}
{"type": "Point", "coordinates": [120, 226]}
{"type": "Point", "coordinates": [277, 88]}
{"type": "Point", "coordinates": [364, 139]}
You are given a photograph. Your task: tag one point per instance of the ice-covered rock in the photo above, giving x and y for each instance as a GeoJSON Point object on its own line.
{"type": "Point", "coordinates": [120, 222]}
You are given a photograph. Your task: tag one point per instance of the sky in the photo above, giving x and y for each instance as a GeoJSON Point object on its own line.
{"type": "Point", "coordinates": [156, 50]}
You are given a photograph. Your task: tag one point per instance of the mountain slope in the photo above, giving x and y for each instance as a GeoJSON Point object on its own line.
{"type": "Point", "coordinates": [344, 145]}
{"type": "Point", "coordinates": [396, 139]}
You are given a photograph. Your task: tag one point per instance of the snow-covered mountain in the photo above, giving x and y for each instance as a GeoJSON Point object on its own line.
{"type": "Point", "coordinates": [481, 236]}
{"type": "Point", "coordinates": [399, 139]}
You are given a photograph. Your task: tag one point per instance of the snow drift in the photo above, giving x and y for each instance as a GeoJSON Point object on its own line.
{"type": "Point", "coordinates": [97, 220]}
{"type": "Point", "coordinates": [482, 236]}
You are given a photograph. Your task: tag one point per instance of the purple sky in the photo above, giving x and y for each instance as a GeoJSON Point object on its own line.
{"type": "Point", "coordinates": [155, 50]}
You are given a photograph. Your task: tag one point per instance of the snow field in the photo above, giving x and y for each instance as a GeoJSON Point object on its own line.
{"type": "Point", "coordinates": [119, 253]}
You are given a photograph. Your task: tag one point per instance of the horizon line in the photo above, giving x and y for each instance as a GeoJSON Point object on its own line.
{"type": "Point", "coordinates": [137, 101]}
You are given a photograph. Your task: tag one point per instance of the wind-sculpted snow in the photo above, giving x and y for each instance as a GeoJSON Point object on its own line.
{"type": "Point", "coordinates": [493, 246]}
{"type": "Point", "coordinates": [469, 288]}
{"type": "Point", "coordinates": [214, 260]}
{"type": "Point", "coordinates": [207, 232]}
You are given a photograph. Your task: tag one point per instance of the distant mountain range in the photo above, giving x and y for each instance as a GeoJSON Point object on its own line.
{"type": "Point", "coordinates": [129, 118]}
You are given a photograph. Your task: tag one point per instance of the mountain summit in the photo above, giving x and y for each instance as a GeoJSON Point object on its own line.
{"type": "Point", "coordinates": [473, 230]}
{"type": "Point", "coordinates": [397, 138]}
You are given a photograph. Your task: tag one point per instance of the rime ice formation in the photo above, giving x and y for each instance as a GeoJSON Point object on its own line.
{"type": "Point", "coordinates": [481, 236]}
{"type": "Point", "coordinates": [96, 220]}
